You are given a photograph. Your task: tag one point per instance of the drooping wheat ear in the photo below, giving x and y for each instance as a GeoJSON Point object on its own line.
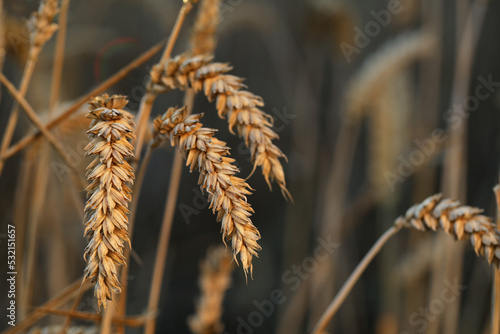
{"type": "Point", "coordinates": [215, 279]}
{"type": "Point", "coordinates": [379, 68]}
{"type": "Point", "coordinates": [41, 24]}
{"type": "Point", "coordinates": [106, 221]}
{"type": "Point", "coordinates": [463, 222]}
{"type": "Point", "coordinates": [226, 192]}
{"type": "Point", "coordinates": [241, 107]}
{"type": "Point", "coordinates": [203, 37]}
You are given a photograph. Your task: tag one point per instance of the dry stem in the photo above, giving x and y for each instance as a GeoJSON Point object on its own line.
{"type": "Point", "coordinates": [28, 139]}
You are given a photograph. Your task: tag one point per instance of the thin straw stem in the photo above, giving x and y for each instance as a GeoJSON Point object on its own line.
{"type": "Point", "coordinates": [162, 250]}
{"type": "Point", "coordinates": [149, 98]}
{"type": "Point", "coordinates": [14, 114]}
{"type": "Point", "coordinates": [59, 57]}
{"type": "Point", "coordinates": [351, 281]}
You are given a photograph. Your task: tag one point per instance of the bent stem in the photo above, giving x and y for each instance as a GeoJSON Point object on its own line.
{"type": "Point", "coordinates": [351, 281]}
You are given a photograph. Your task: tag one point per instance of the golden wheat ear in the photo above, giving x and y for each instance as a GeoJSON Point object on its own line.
{"type": "Point", "coordinates": [240, 107]}
{"type": "Point", "coordinates": [214, 280]}
{"type": "Point", "coordinates": [227, 193]}
{"type": "Point", "coordinates": [461, 221]}
{"type": "Point", "coordinates": [106, 221]}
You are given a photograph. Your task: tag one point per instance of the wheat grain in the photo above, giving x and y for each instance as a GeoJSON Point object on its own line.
{"type": "Point", "coordinates": [203, 37]}
{"type": "Point", "coordinates": [226, 192]}
{"type": "Point", "coordinates": [463, 222]}
{"type": "Point", "coordinates": [241, 107]}
{"type": "Point", "coordinates": [215, 279]}
{"type": "Point", "coordinates": [108, 194]}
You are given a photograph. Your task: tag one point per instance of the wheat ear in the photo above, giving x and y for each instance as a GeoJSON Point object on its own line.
{"type": "Point", "coordinates": [241, 107]}
{"type": "Point", "coordinates": [215, 279]}
{"type": "Point", "coordinates": [106, 221]}
{"type": "Point", "coordinates": [463, 222]}
{"type": "Point", "coordinates": [204, 37]}
{"type": "Point", "coordinates": [226, 192]}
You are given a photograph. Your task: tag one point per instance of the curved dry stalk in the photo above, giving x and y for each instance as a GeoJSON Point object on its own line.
{"type": "Point", "coordinates": [463, 222]}
{"type": "Point", "coordinates": [226, 192]}
{"type": "Point", "coordinates": [214, 280]}
{"type": "Point", "coordinates": [106, 221]}
{"type": "Point", "coordinates": [241, 107]}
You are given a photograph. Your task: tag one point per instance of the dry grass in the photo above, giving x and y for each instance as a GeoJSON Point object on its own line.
{"type": "Point", "coordinates": [214, 280]}
{"type": "Point", "coordinates": [106, 221]}
{"type": "Point", "coordinates": [227, 193]}
{"type": "Point", "coordinates": [240, 107]}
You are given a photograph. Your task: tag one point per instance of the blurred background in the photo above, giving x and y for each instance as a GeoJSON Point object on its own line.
{"type": "Point", "coordinates": [378, 104]}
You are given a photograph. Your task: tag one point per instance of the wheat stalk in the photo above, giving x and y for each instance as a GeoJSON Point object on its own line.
{"type": "Point", "coordinates": [461, 221]}
{"type": "Point", "coordinates": [108, 194]}
{"type": "Point", "coordinates": [215, 279]}
{"type": "Point", "coordinates": [226, 192]}
{"type": "Point", "coordinates": [241, 107]}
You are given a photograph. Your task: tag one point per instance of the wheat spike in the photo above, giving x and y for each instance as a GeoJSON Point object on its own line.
{"type": "Point", "coordinates": [226, 192]}
{"type": "Point", "coordinates": [58, 329]}
{"type": "Point", "coordinates": [203, 38]}
{"type": "Point", "coordinates": [41, 23]}
{"type": "Point", "coordinates": [106, 221]}
{"type": "Point", "coordinates": [241, 107]}
{"type": "Point", "coordinates": [215, 279]}
{"type": "Point", "coordinates": [463, 222]}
